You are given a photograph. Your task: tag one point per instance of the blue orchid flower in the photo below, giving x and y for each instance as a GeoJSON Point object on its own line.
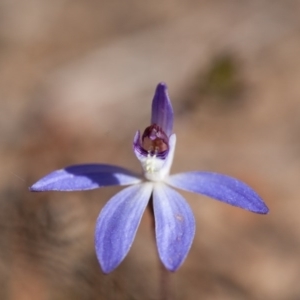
{"type": "Point", "coordinates": [118, 221]}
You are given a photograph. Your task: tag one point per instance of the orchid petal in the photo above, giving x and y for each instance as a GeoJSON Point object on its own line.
{"type": "Point", "coordinates": [162, 111]}
{"type": "Point", "coordinates": [85, 177]}
{"type": "Point", "coordinates": [220, 187]}
{"type": "Point", "coordinates": [117, 224]}
{"type": "Point", "coordinates": [137, 147]}
{"type": "Point", "coordinates": [174, 226]}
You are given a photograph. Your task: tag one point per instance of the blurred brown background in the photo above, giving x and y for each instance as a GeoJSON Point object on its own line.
{"type": "Point", "coordinates": [76, 81]}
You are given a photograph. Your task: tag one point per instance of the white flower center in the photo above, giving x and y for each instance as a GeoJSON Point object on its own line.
{"type": "Point", "coordinates": [155, 168]}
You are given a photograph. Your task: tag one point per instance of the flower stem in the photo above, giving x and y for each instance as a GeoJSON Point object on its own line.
{"type": "Point", "coordinates": [164, 274]}
{"type": "Point", "coordinates": [164, 283]}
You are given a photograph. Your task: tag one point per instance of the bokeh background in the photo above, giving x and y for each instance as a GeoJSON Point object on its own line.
{"type": "Point", "coordinates": [76, 82]}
